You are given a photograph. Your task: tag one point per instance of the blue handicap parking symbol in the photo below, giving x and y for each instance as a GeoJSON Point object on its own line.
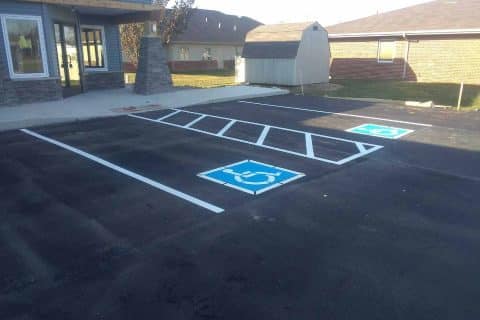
{"type": "Point", "coordinates": [251, 176]}
{"type": "Point", "coordinates": [380, 131]}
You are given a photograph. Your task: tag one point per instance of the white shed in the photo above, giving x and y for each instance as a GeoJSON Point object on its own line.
{"type": "Point", "coordinates": [288, 54]}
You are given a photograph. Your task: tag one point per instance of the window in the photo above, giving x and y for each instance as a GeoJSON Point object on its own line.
{"type": "Point", "coordinates": [184, 54]}
{"type": "Point", "coordinates": [25, 46]}
{"type": "Point", "coordinates": [207, 54]}
{"type": "Point", "coordinates": [386, 51]}
{"type": "Point", "coordinates": [93, 48]}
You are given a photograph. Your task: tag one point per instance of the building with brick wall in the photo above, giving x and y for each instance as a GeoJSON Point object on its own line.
{"type": "Point", "coordinates": [56, 48]}
{"type": "Point", "coordinates": [438, 41]}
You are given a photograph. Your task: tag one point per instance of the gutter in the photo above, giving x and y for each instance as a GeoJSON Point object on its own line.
{"type": "Point", "coordinates": [405, 33]}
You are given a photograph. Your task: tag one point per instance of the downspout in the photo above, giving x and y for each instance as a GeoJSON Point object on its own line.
{"type": "Point", "coordinates": [405, 57]}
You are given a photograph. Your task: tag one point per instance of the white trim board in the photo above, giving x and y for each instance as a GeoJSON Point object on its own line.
{"type": "Point", "coordinates": [114, 167]}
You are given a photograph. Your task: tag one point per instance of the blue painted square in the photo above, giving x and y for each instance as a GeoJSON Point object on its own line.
{"type": "Point", "coordinates": [251, 176]}
{"type": "Point", "coordinates": [376, 130]}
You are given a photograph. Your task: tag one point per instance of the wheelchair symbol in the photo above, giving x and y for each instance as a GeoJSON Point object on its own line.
{"type": "Point", "coordinates": [385, 132]}
{"type": "Point", "coordinates": [244, 177]}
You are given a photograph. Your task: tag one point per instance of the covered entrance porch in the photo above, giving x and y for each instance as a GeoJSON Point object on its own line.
{"type": "Point", "coordinates": [88, 49]}
{"type": "Point", "coordinates": [60, 48]}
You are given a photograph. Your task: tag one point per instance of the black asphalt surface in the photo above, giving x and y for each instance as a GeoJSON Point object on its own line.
{"type": "Point", "coordinates": [393, 235]}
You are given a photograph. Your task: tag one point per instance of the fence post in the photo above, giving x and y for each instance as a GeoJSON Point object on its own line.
{"type": "Point", "coordinates": [460, 95]}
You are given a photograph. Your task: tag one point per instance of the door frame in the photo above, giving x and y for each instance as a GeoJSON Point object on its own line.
{"type": "Point", "coordinates": [73, 25]}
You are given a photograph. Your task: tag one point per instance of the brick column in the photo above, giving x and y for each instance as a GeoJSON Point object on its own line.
{"type": "Point", "coordinates": [153, 75]}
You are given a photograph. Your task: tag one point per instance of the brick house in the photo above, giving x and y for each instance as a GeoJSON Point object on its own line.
{"type": "Point", "coordinates": [437, 41]}
{"type": "Point", "coordinates": [210, 40]}
{"type": "Point", "coordinates": [56, 48]}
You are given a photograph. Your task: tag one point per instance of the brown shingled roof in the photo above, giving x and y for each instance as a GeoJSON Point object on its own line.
{"type": "Point", "coordinates": [435, 15]}
{"type": "Point", "coordinates": [209, 26]}
{"type": "Point", "coordinates": [278, 32]}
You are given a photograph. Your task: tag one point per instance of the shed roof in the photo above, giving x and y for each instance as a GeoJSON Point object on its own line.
{"type": "Point", "coordinates": [275, 41]}
{"type": "Point", "coordinates": [209, 26]}
{"type": "Point", "coordinates": [435, 17]}
{"type": "Point", "coordinates": [278, 32]}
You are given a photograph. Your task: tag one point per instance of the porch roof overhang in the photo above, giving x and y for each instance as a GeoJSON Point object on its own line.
{"type": "Point", "coordinates": [119, 11]}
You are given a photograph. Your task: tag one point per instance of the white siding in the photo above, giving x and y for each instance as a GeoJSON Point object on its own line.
{"type": "Point", "coordinates": [218, 52]}
{"type": "Point", "coordinates": [311, 65]}
{"type": "Point", "coordinates": [313, 59]}
{"type": "Point", "coordinates": [271, 71]}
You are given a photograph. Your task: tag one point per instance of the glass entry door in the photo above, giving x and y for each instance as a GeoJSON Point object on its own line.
{"type": "Point", "coordinates": [68, 60]}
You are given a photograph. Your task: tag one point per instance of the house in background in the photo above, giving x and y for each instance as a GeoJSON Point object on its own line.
{"type": "Point", "coordinates": [211, 40]}
{"type": "Point", "coordinates": [52, 48]}
{"type": "Point", "coordinates": [289, 54]}
{"type": "Point", "coordinates": [437, 41]}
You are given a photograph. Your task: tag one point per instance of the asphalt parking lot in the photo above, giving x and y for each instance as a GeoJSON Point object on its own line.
{"type": "Point", "coordinates": [158, 216]}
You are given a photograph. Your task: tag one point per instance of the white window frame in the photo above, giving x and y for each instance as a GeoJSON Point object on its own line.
{"type": "Point", "coordinates": [104, 44]}
{"type": "Point", "coordinates": [43, 51]}
{"type": "Point", "coordinates": [394, 51]}
{"type": "Point", "coordinates": [186, 54]}
{"type": "Point", "coordinates": [207, 52]}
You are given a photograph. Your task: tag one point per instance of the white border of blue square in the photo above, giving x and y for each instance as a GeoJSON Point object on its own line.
{"type": "Point", "coordinates": [407, 131]}
{"type": "Point", "coordinates": [203, 175]}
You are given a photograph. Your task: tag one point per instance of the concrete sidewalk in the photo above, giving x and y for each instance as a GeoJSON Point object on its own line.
{"type": "Point", "coordinates": [116, 102]}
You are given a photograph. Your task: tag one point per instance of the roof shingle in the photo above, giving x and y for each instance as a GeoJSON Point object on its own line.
{"type": "Point", "coordinates": [435, 15]}
{"type": "Point", "coordinates": [278, 32]}
{"type": "Point", "coordinates": [208, 26]}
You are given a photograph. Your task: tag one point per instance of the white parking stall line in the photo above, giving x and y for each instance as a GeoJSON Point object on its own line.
{"type": "Point", "coordinates": [138, 177]}
{"type": "Point", "coordinates": [195, 121]}
{"type": "Point", "coordinates": [372, 148]}
{"type": "Point", "coordinates": [337, 113]}
{"type": "Point", "coordinates": [263, 125]}
{"type": "Point", "coordinates": [226, 128]}
{"type": "Point", "coordinates": [169, 115]}
{"type": "Point", "coordinates": [310, 152]}
{"type": "Point", "coordinates": [360, 147]}
{"type": "Point", "coordinates": [309, 145]}
{"type": "Point", "coordinates": [359, 155]}
{"type": "Point", "coordinates": [230, 138]}
{"type": "Point", "coordinates": [263, 135]}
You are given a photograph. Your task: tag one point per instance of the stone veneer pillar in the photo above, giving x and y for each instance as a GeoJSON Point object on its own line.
{"type": "Point", "coordinates": [153, 75]}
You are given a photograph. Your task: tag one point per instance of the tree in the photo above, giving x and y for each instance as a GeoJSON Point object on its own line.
{"type": "Point", "coordinates": [169, 21]}
{"type": "Point", "coordinates": [130, 35]}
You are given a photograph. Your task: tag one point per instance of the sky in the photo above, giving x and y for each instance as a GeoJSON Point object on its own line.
{"type": "Point", "coordinates": [325, 12]}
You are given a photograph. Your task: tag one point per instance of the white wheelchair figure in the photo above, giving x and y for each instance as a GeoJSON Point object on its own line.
{"type": "Point", "coordinates": [385, 132]}
{"type": "Point", "coordinates": [242, 177]}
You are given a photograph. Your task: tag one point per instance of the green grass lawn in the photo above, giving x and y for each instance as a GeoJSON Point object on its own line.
{"type": "Point", "coordinates": [439, 93]}
{"type": "Point", "coordinates": [202, 79]}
